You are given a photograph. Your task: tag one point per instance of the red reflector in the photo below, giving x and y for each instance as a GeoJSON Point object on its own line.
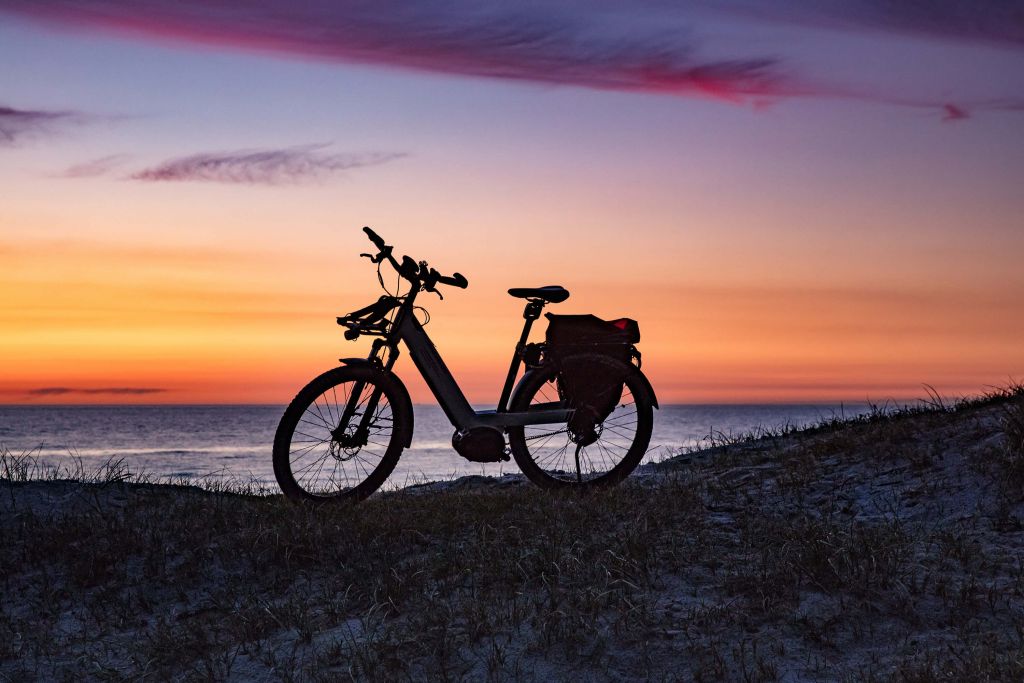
{"type": "Point", "coordinates": [621, 323]}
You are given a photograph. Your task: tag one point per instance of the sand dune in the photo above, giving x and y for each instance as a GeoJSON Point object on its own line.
{"type": "Point", "coordinates": [884, 548]}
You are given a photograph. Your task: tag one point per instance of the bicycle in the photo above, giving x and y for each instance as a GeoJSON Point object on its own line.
{"type": "Point", "coordinates": [342, 435]}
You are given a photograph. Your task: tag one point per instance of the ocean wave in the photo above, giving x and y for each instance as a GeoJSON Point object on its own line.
{"type": "Point", "coordinates": [225, 452]}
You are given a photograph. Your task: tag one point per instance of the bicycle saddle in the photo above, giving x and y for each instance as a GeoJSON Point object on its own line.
{"type": "Point", "coordinates": [553, 294]}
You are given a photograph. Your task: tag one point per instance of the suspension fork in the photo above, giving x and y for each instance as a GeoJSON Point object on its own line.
{"type": "Point", "coordinates": [363, 429]}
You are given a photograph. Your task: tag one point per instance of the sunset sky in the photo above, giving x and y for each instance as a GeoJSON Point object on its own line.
{"type": "Point", "coordinates": [797, 201]}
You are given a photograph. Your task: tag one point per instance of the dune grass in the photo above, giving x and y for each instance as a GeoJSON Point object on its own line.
{"type": "Point", "coordinates": [886, 547]}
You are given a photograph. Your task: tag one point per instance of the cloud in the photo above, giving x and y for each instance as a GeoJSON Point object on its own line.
{"type": "Point", "coordinates": [996, 22]}
{"type": "Point", "coordinates": [574, 45]}
{"type": "Point", "coordinates": [113, 391]}
{"type": "Point", "coordinates": [954, 113]}
{"type": "Point", "coordinates": [290, 165]}
{"type": "Point", "coordinates": [657, 46]}
{"type": "Point", "coordinates": [17, 125]}
{"type": "Point", "coordinates": [95, 167]}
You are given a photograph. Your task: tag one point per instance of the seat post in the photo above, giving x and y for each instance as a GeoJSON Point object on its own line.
{"type": "Point", "coordinates": [530, 313]}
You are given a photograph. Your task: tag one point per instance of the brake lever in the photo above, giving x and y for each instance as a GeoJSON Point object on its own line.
{"type": "Point", "coordinates": [430, 283]}
{"type": "Point", "coordinates": [383, 254]}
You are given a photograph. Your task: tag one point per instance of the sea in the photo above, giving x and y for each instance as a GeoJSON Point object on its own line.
{"type": "Point", "coordinates": [218, 443]}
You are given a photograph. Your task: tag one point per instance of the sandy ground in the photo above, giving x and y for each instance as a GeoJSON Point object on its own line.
{"type": "Point", "coordinates": [889, 550]}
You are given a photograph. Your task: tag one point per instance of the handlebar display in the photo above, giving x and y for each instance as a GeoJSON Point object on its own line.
{"type": "Point", "coordinates": [409, 269]}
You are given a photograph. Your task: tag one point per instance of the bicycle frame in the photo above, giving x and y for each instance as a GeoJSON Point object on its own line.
{"type": "Point", "coordinates": [442, 384]}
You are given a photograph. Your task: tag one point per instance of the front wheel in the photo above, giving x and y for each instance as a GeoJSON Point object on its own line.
{"type": "Point", "coordinates": [342, 435]}
{"type": "Point", "coordinates": [552, 457]}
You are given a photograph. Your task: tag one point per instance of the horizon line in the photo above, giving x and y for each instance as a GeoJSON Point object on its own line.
{"type": "Point", "coordinates": [781, 402]}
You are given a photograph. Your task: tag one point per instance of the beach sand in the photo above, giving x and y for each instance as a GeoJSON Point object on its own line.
{"type": "Point", "coordinates": [884, 548]}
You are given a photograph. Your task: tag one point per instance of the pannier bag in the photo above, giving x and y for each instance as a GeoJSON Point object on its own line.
{"type": "Point", "coordinates": [593, 389]}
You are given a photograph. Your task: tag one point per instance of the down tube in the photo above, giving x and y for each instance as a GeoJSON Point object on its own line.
{"type": "Point", "coordinates": [436, 374]}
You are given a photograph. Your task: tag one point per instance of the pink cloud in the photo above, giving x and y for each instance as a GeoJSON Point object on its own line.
{"type": "Point", "coordinates": [17, 125]}
{"type": "Point", "coordinates": [94, 167]}
{"type": "Point", "coordinates": [290, 165]}
{"type": "Point", "coordinates": [636, 45]}
{"type": "Point", "coordinates": [459, 37]}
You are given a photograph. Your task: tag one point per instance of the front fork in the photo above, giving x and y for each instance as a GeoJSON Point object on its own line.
{"type": "Point", "coordinates": [359, 438]}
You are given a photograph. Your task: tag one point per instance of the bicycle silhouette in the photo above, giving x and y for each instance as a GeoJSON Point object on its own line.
{"type": "Point", "coordinates": [580, 417]}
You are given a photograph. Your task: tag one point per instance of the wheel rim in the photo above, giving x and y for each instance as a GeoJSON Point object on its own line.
{"type": "Point", "coordinates": [322, 461]}
{"type": "Point", "coordinates": [554, 452]}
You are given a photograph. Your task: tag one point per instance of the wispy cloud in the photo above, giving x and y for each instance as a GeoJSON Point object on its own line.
{"type": "Point", "coordinates": [17, 125]}
{"type": "Point", "coordinates": [286, 166]}
{"type": "Point", "coordinates": [657, 46]}
{"type": "Point", "coordinates": [112, 391]}
{"type": "Point", "coordinates": [95, 167]}
{"type": "Point", "coordinates": [997, 22]}
{"type": "Point", "coordinates": [599, 46]}
{"type": "Point", "coordinates": [954, 113]}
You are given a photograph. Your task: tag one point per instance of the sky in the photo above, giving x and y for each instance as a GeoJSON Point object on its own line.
{"type": "Point", "coordinates": [797, 201]}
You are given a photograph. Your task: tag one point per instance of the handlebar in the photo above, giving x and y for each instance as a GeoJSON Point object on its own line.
{"type": "Point", "coordinates": [375, 238]}
{"type": "Point", "coordinates": [456, 280]}
{"type": "Point", "coordinates": [423, 278]}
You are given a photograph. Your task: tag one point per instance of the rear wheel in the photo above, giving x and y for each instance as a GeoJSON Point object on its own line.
{"type": "Point", "coordinates": [323, 452]}
{"type": "Point", "coordinates": [550, 455]}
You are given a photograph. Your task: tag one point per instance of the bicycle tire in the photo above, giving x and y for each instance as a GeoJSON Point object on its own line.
{"type": "Point", "coordinates": [315, 412]}
{"type": "Point", "coordinates": [539, 458]}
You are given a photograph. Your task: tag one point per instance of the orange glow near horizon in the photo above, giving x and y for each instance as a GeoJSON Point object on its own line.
{"type": "Point", "coordinates": [87, 322]}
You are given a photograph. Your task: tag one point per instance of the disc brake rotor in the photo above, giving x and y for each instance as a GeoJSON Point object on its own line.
{"type": "Point", "coordinates": [342, 453]}
{"type": "Point", "coordinates": [345, 445]}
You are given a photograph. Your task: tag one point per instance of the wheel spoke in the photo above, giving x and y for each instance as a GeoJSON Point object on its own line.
{"type": "Point", "coordinates": [621, 441]}
{"type": "Point", "coordinates": [325, 468]}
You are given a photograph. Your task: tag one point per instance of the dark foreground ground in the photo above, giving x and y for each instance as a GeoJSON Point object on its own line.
{"type": "Point", "coordinates": [883, 549]}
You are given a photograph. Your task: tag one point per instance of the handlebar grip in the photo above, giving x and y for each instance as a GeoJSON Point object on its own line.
{"type": "Point", "coordinates": [456, 280]}
{"type": "Point", "coordinates": [374, 237]}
